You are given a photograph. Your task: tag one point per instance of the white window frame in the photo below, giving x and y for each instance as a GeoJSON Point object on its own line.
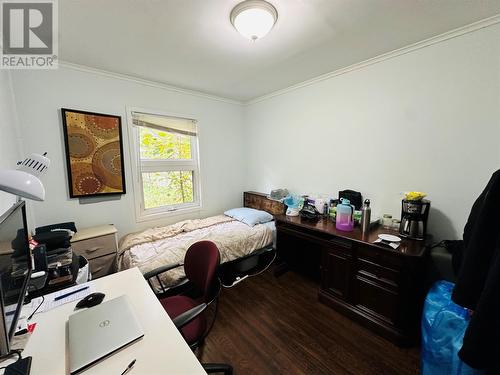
{"type": "Point", "coordinates": [139, 166]}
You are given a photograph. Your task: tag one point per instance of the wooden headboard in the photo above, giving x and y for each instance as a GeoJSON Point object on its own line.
{"type": "Point", "coordinates": [259, 201]}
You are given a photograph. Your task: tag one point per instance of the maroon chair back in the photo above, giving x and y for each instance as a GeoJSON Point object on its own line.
{"type": "Point", "coordinates": [200, 265]}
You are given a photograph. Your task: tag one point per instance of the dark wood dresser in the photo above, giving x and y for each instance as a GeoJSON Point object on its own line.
{"type": "Point", "coordinates": [375, 285]}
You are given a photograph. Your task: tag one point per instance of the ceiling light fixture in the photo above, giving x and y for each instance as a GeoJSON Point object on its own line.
{"type": "Point", "coordinates": [254, 18]}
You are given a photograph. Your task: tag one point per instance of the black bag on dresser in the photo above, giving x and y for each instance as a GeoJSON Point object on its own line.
{"type": "Point", "coordinates": [55, 236]}
{"type": "Point", "coordinates": [354, 197]}
{"type": "Point", "coordinates": [54, 253]}
{"type": "Point", "coordinates": [54, 240]}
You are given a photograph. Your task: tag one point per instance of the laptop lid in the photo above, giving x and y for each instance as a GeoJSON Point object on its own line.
{"type": "Point", "coordinates": [100, 331]}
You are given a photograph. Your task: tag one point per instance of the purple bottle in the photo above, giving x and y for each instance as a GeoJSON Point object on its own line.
{"type": "Point", "coordinates": [345, 216]}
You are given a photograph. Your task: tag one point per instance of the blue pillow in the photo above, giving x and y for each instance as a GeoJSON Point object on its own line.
{"type": "Point", "coordinates": [249, 216]}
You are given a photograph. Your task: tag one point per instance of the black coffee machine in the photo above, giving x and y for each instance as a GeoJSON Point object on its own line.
{"type": "Point", "coordinates": [414, 215]}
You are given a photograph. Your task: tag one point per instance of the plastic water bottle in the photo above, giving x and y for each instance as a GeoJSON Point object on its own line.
{"type": "Point", "coordinates": [365, 216]}
{"type": "Point", "coordinates": [345, 216]}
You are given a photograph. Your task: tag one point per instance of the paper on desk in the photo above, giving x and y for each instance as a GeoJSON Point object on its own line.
{"type": "Point", "coordinates": [394, 245]}
{"type": "Point", "coordinates": [50, 302]}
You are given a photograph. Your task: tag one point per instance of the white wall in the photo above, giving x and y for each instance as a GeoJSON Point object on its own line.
{"type": "Point", "coordinates": [427, 120]}
{"type": "Point", "coordinates": [9, 137]}
{"type": "Point", "coordinates": [39, 98]}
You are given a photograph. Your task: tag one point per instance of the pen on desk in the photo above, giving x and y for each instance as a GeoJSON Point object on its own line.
{"type": "Point", "coordinates": [70, 293]}
{"type": "Point", "coordinates": [129, 367]}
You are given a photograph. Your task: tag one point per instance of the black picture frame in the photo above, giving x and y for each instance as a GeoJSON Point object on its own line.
{"type": "Point", "coordinates": [72, 193]}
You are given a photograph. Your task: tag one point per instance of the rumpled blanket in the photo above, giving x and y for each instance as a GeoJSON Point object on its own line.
{"type": "Point", "coordinates": [160, 246]}
{"type": "Point", "coordinates": [159, 233]}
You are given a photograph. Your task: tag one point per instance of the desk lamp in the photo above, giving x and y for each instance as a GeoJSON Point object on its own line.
{"type": "Point", "coordinates": [24, 180]}
{"type": "Point", "coordinates": [24, 183]}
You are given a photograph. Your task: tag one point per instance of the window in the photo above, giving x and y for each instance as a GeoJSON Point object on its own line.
{"type": "Point", "coordinates": [166, 164]}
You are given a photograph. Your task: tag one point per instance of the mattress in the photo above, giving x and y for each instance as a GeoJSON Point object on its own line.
{"type": "Point", "coordinates": [157, 247]}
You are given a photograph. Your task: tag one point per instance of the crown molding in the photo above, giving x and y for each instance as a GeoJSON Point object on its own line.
{"type": "Point", "coordinates": [487, 22]}
{"type": "Point", "coordinates": [145, 82]}
{"type": "Point", "coordinates": [385, 56]}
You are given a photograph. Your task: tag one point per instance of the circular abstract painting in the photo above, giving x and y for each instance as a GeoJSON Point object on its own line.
{"type": "Point", "coordinates": [81, 143]}
{"type": "Point", "coordinates": [106, 164]}
{"type": "Point", "coordinates": [85, 181]}
{"type": "Point", "coordinates": [103, 127]}
{"type": "Point", "coordinates": [93, 147]}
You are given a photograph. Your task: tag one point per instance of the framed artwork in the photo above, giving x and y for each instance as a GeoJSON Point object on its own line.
{"type": "Point", "coordinates": [94, 153]}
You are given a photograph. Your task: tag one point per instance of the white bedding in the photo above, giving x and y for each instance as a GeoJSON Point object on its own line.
{"type": "Point", "coordinates": [272, 225]}
{"type": "Point", "coordinates": [233, 238]}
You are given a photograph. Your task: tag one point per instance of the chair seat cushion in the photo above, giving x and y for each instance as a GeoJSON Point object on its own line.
{"type": "Point", "coordinates": [175, 306]}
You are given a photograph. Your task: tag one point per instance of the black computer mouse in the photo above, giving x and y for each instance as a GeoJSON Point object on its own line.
{"type": "Point", "coordinates": [92, 299]}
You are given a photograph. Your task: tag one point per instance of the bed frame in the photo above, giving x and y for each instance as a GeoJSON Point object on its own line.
{"type": "Point", "coordinates": [260, 201]}
{"type": "Point", "coordinates": [233, 272]}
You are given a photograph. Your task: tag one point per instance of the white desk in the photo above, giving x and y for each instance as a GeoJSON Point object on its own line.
{"type": "Point", "coordinates": [161, 351]}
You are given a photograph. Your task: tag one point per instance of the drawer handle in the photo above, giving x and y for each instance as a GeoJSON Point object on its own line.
{"type": "Point", "coordinates": [92, 249]}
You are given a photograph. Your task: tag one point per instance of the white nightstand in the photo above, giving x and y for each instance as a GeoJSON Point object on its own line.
{"type": "Point", "coordinates": [100, 246]}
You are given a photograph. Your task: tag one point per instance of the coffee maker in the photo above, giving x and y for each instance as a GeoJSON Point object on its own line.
{"type": "Point", "coordinates": [414, 215]}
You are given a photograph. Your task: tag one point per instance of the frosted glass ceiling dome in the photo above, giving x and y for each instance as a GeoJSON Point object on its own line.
{"type": "Point", "coordinates": [254, 18]}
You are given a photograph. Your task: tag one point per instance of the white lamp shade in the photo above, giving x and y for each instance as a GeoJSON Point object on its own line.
{"type": "Point", "coordinates": [22, 184]}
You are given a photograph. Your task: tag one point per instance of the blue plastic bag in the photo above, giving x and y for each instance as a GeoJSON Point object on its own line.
{"type": "Point", "coordinates": [443, 328]}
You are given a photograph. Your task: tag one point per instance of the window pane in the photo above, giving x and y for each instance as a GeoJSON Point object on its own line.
{"type": "Point", "coordinates": [157, 144]}
{"type": "Point", "coordinates": [167, 188]}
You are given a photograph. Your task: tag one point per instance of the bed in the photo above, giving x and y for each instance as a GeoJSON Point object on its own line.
{"type": "Point", "coordinates": [241, 246]}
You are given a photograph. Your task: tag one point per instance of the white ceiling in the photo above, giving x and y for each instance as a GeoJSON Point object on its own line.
{"type": "Point", "coordinates": [191, 43]}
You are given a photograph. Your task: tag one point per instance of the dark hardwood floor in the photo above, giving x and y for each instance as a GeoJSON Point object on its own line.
{"type": "Point", "coordinates": [268, 325]}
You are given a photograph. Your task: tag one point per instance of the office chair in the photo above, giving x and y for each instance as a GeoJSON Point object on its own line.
{"type": "Point", "coordinates": [187, 310]}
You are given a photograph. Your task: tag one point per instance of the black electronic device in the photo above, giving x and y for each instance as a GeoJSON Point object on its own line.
{"type": "Point", "coordinates": [22, 366]}
{"type": "Point", "coordinates": [40, 257]}
{"type": "Point", "coordinates": [93, 299]}
{"type": "Point", "coordinates": [15, 271]}
{"type": "Point", "coordinates": [57, 252]}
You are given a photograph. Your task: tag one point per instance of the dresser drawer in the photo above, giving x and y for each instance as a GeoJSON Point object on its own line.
{"type": "Point", "coordinates": [102, 266]}
{"type": "Point", "coordinates": [380, 257]}
{"type": "Point", "coordinates": [96, 247]}
{"type": "Point", "coordinates": [387, 276]}
{"type": "Point", "coordinates": [380, 302]}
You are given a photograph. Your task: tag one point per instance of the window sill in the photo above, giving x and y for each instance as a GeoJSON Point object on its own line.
{"type": "Point", "coordinates": [145, 216]}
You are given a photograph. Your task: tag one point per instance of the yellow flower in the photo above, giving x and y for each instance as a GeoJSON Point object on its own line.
{"type": "Point", "coordinates": [415, 195]}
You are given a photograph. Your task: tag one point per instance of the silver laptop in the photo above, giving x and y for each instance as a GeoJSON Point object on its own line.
{"type": "Point", "coordinates": [100, 331]}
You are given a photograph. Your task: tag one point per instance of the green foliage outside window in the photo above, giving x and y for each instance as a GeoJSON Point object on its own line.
{"type": "Point", "coordinates": [156, 144]}
{"type": "Point", "coordinates": [165, 188]}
